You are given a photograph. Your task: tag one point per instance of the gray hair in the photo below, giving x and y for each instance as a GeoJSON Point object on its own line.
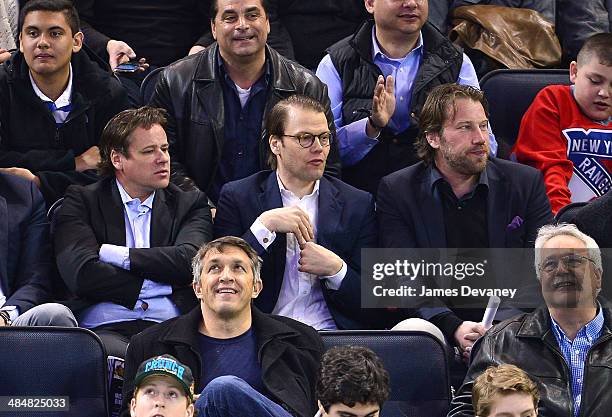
{"type": "Point", "coordinates": [218, 245]}
{"type": "Point", "coordinates": [547, 232]}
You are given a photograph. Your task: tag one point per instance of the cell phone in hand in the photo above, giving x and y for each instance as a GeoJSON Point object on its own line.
{"type": "Point", "coordinates": [129, 67]}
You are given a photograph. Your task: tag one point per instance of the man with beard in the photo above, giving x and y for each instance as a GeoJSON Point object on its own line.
{"type": "Point", "coordinates": [457, 197]}
{"type": "Point", "coordinates": [564, 346]}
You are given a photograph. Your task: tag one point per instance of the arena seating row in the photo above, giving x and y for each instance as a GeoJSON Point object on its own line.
{"type": "Point", "coordinates": [71, 362]}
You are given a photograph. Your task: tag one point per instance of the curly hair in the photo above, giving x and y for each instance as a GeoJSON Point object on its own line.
{"type": "Point", "coordinates": [501, 380]}
{"type": "Point", "coordinates": [350, 375]}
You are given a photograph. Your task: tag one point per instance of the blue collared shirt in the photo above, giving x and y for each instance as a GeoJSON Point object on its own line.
{"type": "Point", "coordinates": [575, 351]}
{"type": "Point", "coordinates": [153, 302]}
{"type": "Point", "coordinates": [242, 129]}
{"type": "Point", "coordinates": [353, 142]}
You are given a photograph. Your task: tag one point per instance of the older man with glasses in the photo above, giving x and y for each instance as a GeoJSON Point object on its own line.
{"type": "Point", "coordinates": [566, 345]}
{"type": "Point", "coordinates": [308, 227]}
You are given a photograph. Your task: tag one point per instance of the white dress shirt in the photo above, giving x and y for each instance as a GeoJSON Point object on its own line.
{"type": "Point", "coordinates": [301, 296]}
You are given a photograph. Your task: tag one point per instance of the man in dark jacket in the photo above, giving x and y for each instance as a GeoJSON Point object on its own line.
{"type": "Point", "coordinates": [246, 362]}
{"type": "Point", "coordinates": [124, 244]}
{"type": "Point", "coordinates": [378, 80]}
{"type": "Point", "coordinates": [54, 101]}
{"type": "Point", "coordinates": [217, 99]}
{"type": "Point", "coordinates": [566, 346]}
{"type": "Point", "coordinates": [25, 258]}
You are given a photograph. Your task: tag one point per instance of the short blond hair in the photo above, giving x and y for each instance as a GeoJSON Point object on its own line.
{"type": "Point", "coordinates": [501, 380]}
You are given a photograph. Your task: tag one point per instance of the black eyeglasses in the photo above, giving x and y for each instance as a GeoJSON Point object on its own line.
{"type": "Point", "coordinates": [307, 139]}
{"type": "Point", "coordinates": [571, 261]}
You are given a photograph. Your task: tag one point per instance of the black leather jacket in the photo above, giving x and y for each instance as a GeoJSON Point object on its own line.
{"type": "Point", "coordinates": [528, 342]}
{"type": "Point", "coordinates": [191, 91]}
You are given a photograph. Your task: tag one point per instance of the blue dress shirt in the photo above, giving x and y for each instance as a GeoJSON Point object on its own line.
{"type": "Point", "coordinates": [575, 351]}
{"type": "Point", "coordinates": [153, 302]}
{"type": "Point", "coordinates": [353, 142]}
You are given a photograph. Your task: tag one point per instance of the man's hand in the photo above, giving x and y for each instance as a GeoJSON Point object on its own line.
{"type": "Point", "coordinates": [289, 220]}
{"type": "Point", "coordinates": [120, 52]}
{"type": "Point", "coordinates": [23, 173]}
{"type": "Point", "coordinates": [383, 104]}
{"type": "Point", "coordinates": [87, 160]}
{"type": "Point", "coordinates": [465, 336]}
{"type": "Point", "coordinates": [4, 55]}
{"type": "Point", "coordinates": [195, 49]}
{"type": "Point", "coordinates": [317, 260]}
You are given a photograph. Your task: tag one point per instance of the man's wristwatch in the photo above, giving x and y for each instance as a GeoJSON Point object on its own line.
{"type": "Point", "coordinates": [6, 317]}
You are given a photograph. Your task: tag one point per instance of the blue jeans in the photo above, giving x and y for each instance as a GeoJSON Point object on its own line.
{"type": "Point", "coordinates": [230, 396]}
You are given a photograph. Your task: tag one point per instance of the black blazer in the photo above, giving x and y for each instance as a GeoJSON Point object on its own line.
{"type": "Point", "coordinates": [410, 217]}
{"type": "Point", "coordinates": [289, 353]}
{"type": "Point", "coordinates": [25, 250]}
{"type": "Point", "coordinates": [346, 223]}
{"type": "Point", "coordinates": [93, 215]}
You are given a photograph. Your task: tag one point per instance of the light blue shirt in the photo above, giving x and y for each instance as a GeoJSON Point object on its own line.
{"type": "Point", "coordinates": [153, 302]}
{"type": "Point", "coordinates": [353, 142]}
{"type": "Point", "coordinates": [575, 352]}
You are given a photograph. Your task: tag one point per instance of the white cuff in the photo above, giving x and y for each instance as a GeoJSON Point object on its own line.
{"type": "Point", "coordinates": [118, 256]}
{"type": "Point", "coordinates": [333, 282]}
{"type": "Point", "coordinates": [264, 236]}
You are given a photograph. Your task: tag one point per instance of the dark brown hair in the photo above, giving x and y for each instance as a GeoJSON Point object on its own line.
{"type": "Point", "coordinates": [117, 133]}
{"type": "Point", "coordinates": [350, 375]}
{"type": "Point", "coordinates": [64, 6]}
{"type": "Point", "coordinates": [276, 119]}
{"type": "Point", "coordinates": [439, 107]}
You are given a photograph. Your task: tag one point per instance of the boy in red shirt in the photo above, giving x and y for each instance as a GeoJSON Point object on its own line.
{"type": "Point", "coordinates": [567, 131]}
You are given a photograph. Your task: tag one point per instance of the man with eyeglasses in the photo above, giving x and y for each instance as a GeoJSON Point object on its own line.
{"type": "Point", "coordinates": [566, 345]}
{"type": "Point", "coordinates": [308, 227]}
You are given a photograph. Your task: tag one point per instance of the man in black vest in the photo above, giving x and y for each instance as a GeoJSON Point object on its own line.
{"type": "Point", "coordinates": [378, 80]}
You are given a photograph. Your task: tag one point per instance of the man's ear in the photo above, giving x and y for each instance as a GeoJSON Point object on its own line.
{"type": "Point", "coordinates": [369, 5]}
{"type": "Point", "coordinates": [77, 42]}
{"type": "Point", "coordinates": [197, 289]}
{"type": "Point", "coordinates": [433, 139]}
{"type": "Point", "coordinates": [275, 143]}
{"type": "Point", "coordinates": [190, 410]}
{"type": "Point", "coordinates": [213, 28]}
{"type": "Point", "coordinates": [116, 159]}
{"type": "Point", "coordinates": [257, 287]}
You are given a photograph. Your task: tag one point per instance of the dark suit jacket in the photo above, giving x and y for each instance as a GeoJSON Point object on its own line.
{"type": "Point", "coordinates": [93, 215]}
{"type": "Point", "coordinates": [346, 224]}
{"type": "Point", "coordinates": [409, 215]}
{"type": "Point", "coordinates": [25, 251]}
{"type": "Point", "coordinates": [289, 353]}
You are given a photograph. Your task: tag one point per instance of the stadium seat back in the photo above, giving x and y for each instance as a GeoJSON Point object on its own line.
{"type": "Point", "coordinates": [54, 362]}
{"type": "Point", "coordinates": [147, 88]}
{"type": "Point", "coordinates": [510, 93]}
{"type": "Point", "coordinates": [417, 363]}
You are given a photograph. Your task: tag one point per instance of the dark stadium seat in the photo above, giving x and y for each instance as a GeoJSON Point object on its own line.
{"type": "Point", "coordinates": [54, 362]}
{"type": "Point", "coordinates": [417, 363]}
{"type": "Point", "coordinates": [147, 88]}
{"type": "Point", "coordinates": [510, 93]}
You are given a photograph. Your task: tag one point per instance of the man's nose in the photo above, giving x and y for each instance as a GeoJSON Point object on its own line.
{"type": "Point", "coordinates": [43, 42]}
{"type": "Point", "coordinates": [243, 22]}
{"type": "Point", "coordinates": [316, 145]}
